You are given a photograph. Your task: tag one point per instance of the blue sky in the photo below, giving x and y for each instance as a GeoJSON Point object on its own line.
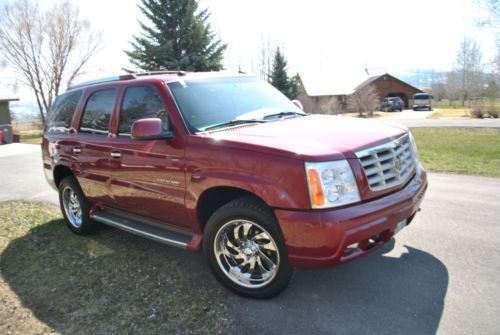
{"type": "Point", "coordinates": [317, 36]}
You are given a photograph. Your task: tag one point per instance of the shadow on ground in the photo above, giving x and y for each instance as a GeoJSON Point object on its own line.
{"type": "Point", "coordinates": [377, 294]}
{"type": "Point", "coordinates": [114, 282]}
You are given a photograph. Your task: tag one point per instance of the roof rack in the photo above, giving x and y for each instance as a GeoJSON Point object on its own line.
{"type": "Point", "coordinates": [152, 73]}
{"type": "Point", "coordinates": [102, 80]}
{"type": "Point", "coordinates": [124, 77]}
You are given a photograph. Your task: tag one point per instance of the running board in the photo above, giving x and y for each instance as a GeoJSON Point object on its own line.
{"type": "Point", "coordinates": [161, 235]}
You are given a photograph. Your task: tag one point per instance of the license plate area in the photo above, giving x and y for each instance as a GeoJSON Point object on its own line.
{"type": "Point", "coordinates": [400, 226]}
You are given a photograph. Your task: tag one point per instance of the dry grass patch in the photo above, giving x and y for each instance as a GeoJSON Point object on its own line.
{"type": "Point", "coordinates": [443, 113]}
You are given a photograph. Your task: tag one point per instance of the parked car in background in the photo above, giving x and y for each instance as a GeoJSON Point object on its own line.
{"type": "Point", "coordinates": [422, 101]}
{"type": "Point", "coordinates": [392, 104]}
{"type": "Point", "coordinates": [1, 137]}
{"type": "Point", "coordinates": [226, 164]}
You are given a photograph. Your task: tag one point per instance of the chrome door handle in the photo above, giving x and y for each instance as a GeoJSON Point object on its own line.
{"type": "Point", "coordinates": [116, 154]}
{"type": "Point", "coordinates": [77, 150]}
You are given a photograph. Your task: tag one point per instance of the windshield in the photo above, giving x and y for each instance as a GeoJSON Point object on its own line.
{"type": "Point", "coordinates": [205, 103]}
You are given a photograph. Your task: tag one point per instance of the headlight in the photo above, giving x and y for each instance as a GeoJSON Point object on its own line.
{"type": "Point", "coordinates": [413, 145]}
{"type": "Point", "coordinates": [331, 184]}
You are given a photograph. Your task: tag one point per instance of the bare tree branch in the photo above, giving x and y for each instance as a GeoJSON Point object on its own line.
{"type": "Point", "coordinates": [469, 69]}
{"type": "Point", "coordinates": [49, 49]}
{"type": "Point", "coordinates": [364, 100]}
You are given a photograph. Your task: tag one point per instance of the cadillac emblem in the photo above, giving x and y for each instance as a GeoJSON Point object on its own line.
{"type": "Point", "coordinates": [397, 165]}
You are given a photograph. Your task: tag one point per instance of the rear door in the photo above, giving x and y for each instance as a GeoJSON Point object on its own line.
{"type": "Point", "coordinates": [93, 148]}
{"type": "Point", "coordinates": [147, 175]}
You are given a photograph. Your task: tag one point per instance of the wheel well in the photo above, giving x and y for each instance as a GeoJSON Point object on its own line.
{"type": "Point", "coordinates": [216, 197]}
{"type": "Point", "coordinates": [61, 172]}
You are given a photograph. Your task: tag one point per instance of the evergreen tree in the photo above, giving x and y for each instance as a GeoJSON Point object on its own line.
{"type": "Point", "coordinates": [296, 87]}
{"type": "Point", "coordinates": [279, 77]}
{"type": "Point", "coordinates": [178, 38]}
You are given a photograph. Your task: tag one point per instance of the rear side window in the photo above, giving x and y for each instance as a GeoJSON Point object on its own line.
{"type": "Point", "coordinates": [139, 103]}
{"type": "Point", "coordinates": [98, 112]}
{"type": "Point", "coordinates": [62, 111]}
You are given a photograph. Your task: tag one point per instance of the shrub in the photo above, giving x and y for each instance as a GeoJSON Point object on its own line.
{"type": "Point", "coordinates": [477, 112]}
{"type": "Point", "coordinates": [493, 112]}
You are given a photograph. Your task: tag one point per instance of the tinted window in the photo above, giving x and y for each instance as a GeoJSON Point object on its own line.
{"type": "Point", "coordinates": [62, 111]}
{"type": "Point", "coordinates": [207, 102]}
{"type": "Point", "coordinates": [140, 103]}
{"type": "Point", "coordinates": [97, 112]}
{"type": "Point", "coordinates": [421, 96]}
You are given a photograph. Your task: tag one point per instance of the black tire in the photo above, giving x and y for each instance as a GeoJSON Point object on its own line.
{"type": "Point", "coordinates": [87, 225]}
{"type": "Point", "coordinates": [248, 209]}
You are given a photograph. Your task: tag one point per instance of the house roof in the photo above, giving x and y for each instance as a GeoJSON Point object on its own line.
{"type": "Point", "coordinates": [340, 82]}
{"type": "Point", "coordinates": [6, 95]}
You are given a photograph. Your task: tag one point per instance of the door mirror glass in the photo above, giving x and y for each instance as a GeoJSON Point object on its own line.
{"type": "Point", "coordinates": [150, 129]}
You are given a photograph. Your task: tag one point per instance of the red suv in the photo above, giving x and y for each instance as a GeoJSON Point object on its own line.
{"type": "Point", "coordinates": [227, 164]}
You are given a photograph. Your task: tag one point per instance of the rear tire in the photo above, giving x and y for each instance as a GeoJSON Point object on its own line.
{"type": "Point", "coordinates": [246, 250]}
{"type": "Point", "coordinates": [75, 207]}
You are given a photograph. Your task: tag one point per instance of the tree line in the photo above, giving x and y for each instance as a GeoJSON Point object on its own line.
{"type": "Point", "coordinates": [50, 48]}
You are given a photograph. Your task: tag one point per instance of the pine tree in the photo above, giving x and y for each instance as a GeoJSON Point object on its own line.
{"type": "Point", "coordinates": [178, 38]}
{"type": "Point", "coordinates": [296, 87]}
{"type": "Point", "coordinates": [279, 77]}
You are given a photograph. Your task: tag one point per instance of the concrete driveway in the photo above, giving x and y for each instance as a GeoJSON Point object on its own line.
{"type": "Point", "coordinates": [410, 114]}
{"type": "Point", "coordinates": [441, 274]}
{"type": "Point", "coordinates": [414, 119]}
{"type": "Point", "coordinates": [21, 174]}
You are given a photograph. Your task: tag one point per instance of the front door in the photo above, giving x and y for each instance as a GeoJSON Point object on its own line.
{"type": "Point", "coordinates": [147, 175]}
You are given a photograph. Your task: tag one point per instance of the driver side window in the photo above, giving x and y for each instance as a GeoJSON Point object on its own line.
{"type": "Point", "coordinates": [140, 102]}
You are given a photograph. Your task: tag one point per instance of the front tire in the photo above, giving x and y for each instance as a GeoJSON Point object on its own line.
{"type": "Point", "coordinates": [246, 250]}
{"type": "Point", "coordinates": [75, 207]}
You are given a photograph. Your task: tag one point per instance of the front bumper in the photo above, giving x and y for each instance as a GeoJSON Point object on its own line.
{"type": "Point", "coordinates": [328, 237]}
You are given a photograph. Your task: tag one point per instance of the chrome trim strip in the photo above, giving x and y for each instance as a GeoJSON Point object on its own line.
{"type": "Point", "coordinates": [135, 231]}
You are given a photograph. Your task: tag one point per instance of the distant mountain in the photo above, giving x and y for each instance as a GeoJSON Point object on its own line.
{"type": "Point", "coordinates": [422, 78]}
{"type": "Point", "coordinates": [24, 110]}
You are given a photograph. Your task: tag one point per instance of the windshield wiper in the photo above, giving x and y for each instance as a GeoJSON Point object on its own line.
{"type": "Point", "coordinates": [283, 114]}
{"type": "Point", "coordinates": [232, 123]}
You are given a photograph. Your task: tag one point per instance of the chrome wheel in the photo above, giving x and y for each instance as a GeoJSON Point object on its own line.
{"type": "Point", "coordinates": [246, 253]}
{"type": "Point", "coordinates": [72, 207]}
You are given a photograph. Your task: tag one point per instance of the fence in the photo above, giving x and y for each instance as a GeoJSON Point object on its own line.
{"type": "Point", "coordinates": [26, 126]}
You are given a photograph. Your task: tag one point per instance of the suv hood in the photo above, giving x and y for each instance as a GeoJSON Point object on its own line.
{"type": "Point", "coordinates": [311, 138]}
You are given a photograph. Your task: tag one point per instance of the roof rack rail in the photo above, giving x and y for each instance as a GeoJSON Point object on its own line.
{"type": "Point", "coordinates": [124, 77]}
{"type": "Point", "coordinates": [151, 73]}
{"type": "Point", "coordinates": [102, 80]}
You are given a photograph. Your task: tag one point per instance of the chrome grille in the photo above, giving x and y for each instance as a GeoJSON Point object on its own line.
{"type": "Point", "coordinates": [388, 165]}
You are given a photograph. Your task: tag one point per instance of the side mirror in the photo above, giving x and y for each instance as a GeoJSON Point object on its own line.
{"type": "Point", "coordinates": [298, 104]}
{"type": "Point", "coordinates": [150, 129]}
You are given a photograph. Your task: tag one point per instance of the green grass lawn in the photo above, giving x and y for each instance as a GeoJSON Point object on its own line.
{"type": "Point", "coordinates": [53, 281]}
{"type": "Point", "coordinates": [474, 151]}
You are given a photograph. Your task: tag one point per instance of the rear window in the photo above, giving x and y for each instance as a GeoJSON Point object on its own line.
{"type": "Point", "coordinates": [62, 111]}
{"type": "Point", "coordinates": [98, 112]}
{"type": "Point", "coordinates": [421, 97]}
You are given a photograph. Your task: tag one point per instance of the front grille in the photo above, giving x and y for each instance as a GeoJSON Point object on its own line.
{"type": "Point", "coordinates": [388, 165]}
